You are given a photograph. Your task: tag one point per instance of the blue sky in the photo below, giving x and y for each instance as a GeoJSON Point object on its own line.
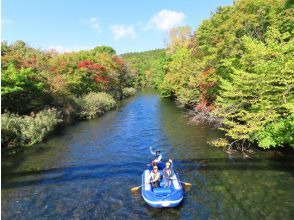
{"type": "Point", "coordinates": [127, 25]}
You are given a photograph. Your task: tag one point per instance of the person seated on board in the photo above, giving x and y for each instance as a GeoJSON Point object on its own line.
{"type": "Point", "coordinates": [167, 173]}
{"type": "Point", "coordinates": [158, 156]}
{"type": "Point", "coordinates": [154, 177]}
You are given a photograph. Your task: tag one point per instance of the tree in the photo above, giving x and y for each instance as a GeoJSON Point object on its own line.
{"type": "Point", "coordinates": [104, 49]}
{"type": "Point", "coordinates": [263, 112]}
{"type": "Point", "coordinates": [20, 91]}
{"type": "Point", "coordinates": [179, 37]}
{"type": "Point", "coordinates": [180, 78]}
{"type": "Point", "coordinates": [182, 70]}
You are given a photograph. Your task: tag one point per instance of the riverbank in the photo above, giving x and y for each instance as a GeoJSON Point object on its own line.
{"type": "Point", "coordinates": [23, 131]}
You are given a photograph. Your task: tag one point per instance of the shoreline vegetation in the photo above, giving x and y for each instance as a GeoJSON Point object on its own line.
{"type": "Point", "coordinates": [235, 71]}
{"type": "Point", "coordinates": [45, 90]}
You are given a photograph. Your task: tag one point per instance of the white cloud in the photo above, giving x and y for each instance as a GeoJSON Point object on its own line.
{"type": "Point", "coordinates": [165, 20]}
{"type": "Point", "coordinates": [120, 31]}
{"type": "Point", "coordinates": [62, 49]}
{"type": "Point", "coordinates": [94, 23]}
{"type": "Point", "coordinates": [6, 21]}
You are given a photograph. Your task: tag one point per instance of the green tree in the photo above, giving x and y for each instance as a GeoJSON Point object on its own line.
{"type": "Point", "coordinates": [20, 91]}
{"type": "Point", "coordinates": [104, 49]}
{"type": "Point", "coordinates": [258, 95]}
{"type": "Point", "coordinates": [180, 78]}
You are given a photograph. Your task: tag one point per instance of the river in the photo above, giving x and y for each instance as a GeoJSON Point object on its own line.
{"type": "Point", "coordinates": [87, 170]}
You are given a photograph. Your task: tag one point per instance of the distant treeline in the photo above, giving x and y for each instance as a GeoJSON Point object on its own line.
{"type": "Point", "coordinates": [236, 70]}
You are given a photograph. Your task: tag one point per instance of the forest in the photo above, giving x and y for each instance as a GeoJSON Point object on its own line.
{"type": "Point", "coordinates": [235, 71]}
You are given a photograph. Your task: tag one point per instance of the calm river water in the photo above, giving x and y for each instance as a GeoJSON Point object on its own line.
{"type": "Point", "coordinates": [86, 172]}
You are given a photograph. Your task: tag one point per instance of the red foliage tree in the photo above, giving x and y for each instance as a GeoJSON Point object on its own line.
{"type": "Point", "coordinates": [207, 82]}
{"type": "Point", "coordinates": [118, 60]}
{"type": "Point", "coordinates": [95, 68]}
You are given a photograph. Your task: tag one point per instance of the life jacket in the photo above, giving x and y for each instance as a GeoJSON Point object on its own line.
{"type": "Point", "coordinates": [167, 172]}
{"type": "Point", "coordinates": [157, 156]}
{"type": "Point", "coordinates": [154, 175]}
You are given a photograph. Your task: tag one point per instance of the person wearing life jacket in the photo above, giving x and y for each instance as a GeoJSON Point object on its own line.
{"type": "Point", "coordinates": [167, 173]}
{"type": "Point", "coordinates": [158, 156]}
{"type": "Point", "coordinates": [154, 177]}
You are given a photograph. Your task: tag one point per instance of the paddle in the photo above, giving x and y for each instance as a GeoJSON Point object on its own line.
{"type": "Point", "coordinates": [134, 189]}
{"type": "Point", "coordinates": [185, 183]}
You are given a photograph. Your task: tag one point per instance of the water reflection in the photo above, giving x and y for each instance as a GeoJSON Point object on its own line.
{"type": "Point", "coordinates": [76, 173]}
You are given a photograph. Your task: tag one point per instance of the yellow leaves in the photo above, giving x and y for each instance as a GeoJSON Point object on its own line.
{"type": "Point", "coordinates": [289, 107]}
{"type": "Point", "coordinates": [180, 37]}
{"type": "Point", "coordinates": [56, 83]}
{"type": "Point", "coordinates": [220, 142]}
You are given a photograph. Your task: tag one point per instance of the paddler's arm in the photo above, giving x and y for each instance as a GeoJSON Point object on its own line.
{"type": "Point", "coordinates": [152, 152]}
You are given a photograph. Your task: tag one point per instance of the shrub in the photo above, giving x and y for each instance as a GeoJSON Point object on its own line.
{"type": "Point", "coordinates": [11, 135]}
{"type": "Point", "coordinates": [28, 130]}
{"type": "Point", "coordinates": [127, 92]}
{"type": "Point", "coordinates": [36, 128]}
{"type": "Point", "coordinates": [220, 142]}
{"type": "Point", "coordinates": [95, 104]}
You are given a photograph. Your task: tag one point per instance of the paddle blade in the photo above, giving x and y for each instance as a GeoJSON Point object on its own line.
{"type": "Point", "coordinates": [134, 189]}
{"type": "Point", "coordinates": [187, 184]}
